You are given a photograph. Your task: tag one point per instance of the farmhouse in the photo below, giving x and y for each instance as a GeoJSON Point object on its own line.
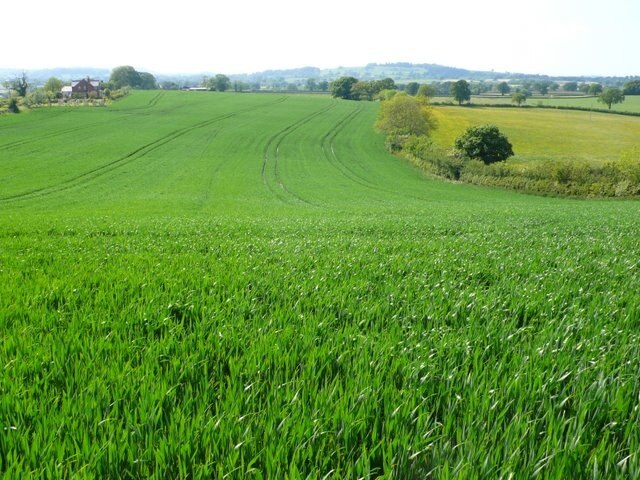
{"type": "Point", "coordinates": [83, 88]}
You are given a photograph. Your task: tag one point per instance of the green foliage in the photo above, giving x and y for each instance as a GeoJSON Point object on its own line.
{"type": "Point", "coordinates": [427, 91]}
{"type": "Point", "coordinates": [404, 115]}
{"type": "Point", "coordinates": [116, 94]}
{"type": "Point", "coordinates": [362, 91]}
{"type": "Point", "coordinates": [20, 85]}
{"type": "Point", "coordinates": [629, 165]}
{"type": "Point", "coordinates": [412, 88]}
{"type": "Point", "coordinates": [504, 88]}
{"type": "Point", "coordinates": [239, 86]}
{"type": "Point", "coordinates": [560, 177]}
{"type": "Point", "coordinates": [169, 85]}
{"type": "Point", "coordinates": [433, 157]}
{"type": "Point", "coordinates": [12, 106]}
{"type": "Point", "coordinates": [384, 84]}
{"type": "Point", "coordinates": [570, 86]}
{"type": "Point", "coordinates": [311, 84]}
{"type": "Point", "coordinates": [124, 76]}
{"type": "Point", "coordinates": [387, 94]}
{"type": "Point", "coordinates": [595, 89]}
{"type": "Point", "coordinates": [53, 85]}
{"type": "Point", "coordinates": [554, 173]}
{"type": "Point", "coordinates": [342, 87]}
{"type": "Point", "coordinates": [518, 98]}
{"type": "Point", "coordinates": [632, 87]}
{"type": "Point", "coordinates": [350, 88]}
{"type": "Point", "coordinates": [220, 83]}
{"type": "Point", "coordinates": [630, 106]}
{"type": "Point", "coordinates": [460, 91]}
{"type": "Point", "coordinates": [542, 86]}
{"type": "Point", "coordinates": [611, 96]}
{"type": "Point", "coordinates": [484, 142]}
{"type": "Point", "coordinates": [38, 97]}
{"type": "Point", "coordinates": [147, 81]}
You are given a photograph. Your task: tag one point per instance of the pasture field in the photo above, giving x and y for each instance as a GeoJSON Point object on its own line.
{"type": "Point", "coordinates": [631, 103]}
{"type": "Point", "coordinates": [203, 285]}
{"type": "Point", "coordinates": [539, 134]}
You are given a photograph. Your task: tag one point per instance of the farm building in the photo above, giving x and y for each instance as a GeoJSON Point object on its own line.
{"type": "Point", "coordinates": [83, 88]}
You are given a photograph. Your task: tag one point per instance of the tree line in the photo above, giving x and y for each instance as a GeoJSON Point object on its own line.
{"type": "Point", "coordinates": [350, 88]}
{"type": "Point", "coordinates": [479, 154]}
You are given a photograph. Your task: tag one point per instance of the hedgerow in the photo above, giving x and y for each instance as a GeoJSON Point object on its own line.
{"type": "Point", "coordinates": [548, 177]}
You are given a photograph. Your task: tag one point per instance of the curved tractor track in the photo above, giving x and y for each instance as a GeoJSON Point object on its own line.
{"type": "Point", "coordinates": [270, 172]}
{"type": "Point", "coordinates": [92, 174]}
{"type": "Point", "coordinates": [153, 102]}
{"type": "Point", "coordinates": [326, 143]}
{"type": "Point", "coordinates": [39, 138]}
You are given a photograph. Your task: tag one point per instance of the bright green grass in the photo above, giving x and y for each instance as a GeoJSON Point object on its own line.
{"type": "Point", "coordinates": [546, 134]}
{"type": "Point", "coordinates": [248, 286]}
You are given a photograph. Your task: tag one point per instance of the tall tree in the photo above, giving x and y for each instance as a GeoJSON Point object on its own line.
{"type": "Point", "coordinates": [504, 88]}
{"type": "Point", "coordinates": [363, 91]}
{"type": "Point", "coordinates": [427, 90]}
{"type": "Point", "coordinates": [632, 87]}
{"type": "Point", "coordinates": [221, 82]}
{"type": "Point", "coordinates": [384, 84]}
{"type": "Point", "coordinates": [124, 76]}
{"type": "Point", "coordinates": [519, 98]}
{"type": "Point", "coordinates": [412, 88]}
{"type": "Point", "coordinates": [311, 84]}
{"type": "Point", "coordinates": [20, 85]}
{"type": "Point", "coordinates": [460, 91]}
{"type": "Point", "coordinates": [595, 89]}
{"type": "Point", "coordinates": [147, 81]}
{"type": "Point", "coordinates": [53, 85]}
{"type": "Point", "coordinates": [542, 87]}
{"type": "Point", "coordinates": [404, 115]}
{"type": "Point", "coordinates": [341, 88]}
{"type": "Point", "coordinates": [611, 96]}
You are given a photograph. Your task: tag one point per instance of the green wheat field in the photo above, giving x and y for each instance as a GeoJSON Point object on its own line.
{"type": "Point", "coordinates": [247, 286]}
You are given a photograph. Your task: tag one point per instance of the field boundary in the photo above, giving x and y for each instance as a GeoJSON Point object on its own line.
{"type": "Point", "coordinates": [548, 107]}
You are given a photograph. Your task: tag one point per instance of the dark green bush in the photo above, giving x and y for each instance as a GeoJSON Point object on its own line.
{"type": "Point", "coordinates": [13, 105]}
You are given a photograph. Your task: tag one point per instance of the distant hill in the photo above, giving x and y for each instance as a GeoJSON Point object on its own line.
{"type": "Point", "coordinates": [405, 72]}
{"type": "Point", "coordinates": [401, 72]}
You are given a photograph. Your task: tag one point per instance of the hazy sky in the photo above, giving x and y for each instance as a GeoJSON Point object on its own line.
{"type": "Point", "coordinates": [555, 37]}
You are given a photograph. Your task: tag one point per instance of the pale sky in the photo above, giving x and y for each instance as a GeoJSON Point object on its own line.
{"type": "Point", "coordinates": [554, 37]}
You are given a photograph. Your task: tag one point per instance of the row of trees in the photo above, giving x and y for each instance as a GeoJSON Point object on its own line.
{"type": "Point", "coordinates": [350, 88]}
{"type": "Point", "coordinates": [478, 154]}
{"type": "Point", "coordinates": [544, 87]}
{"type": "Point", "coordinates": [443, 88]}
{"type": "Point", "coordinates": [608, 97]}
